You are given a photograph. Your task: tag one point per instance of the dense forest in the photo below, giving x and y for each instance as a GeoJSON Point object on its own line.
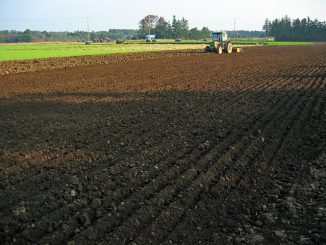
{"type": "Point", "coordinates": [285, 29]}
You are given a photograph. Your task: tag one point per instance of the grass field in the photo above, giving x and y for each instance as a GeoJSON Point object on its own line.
{"type": "Point", "coordinates": [38, 51]}
{"type": "Point", "coordinates": [43, 50]}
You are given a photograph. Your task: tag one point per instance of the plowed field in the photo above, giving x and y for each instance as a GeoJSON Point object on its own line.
{"type": "Point", "coordinates": [183, 147]}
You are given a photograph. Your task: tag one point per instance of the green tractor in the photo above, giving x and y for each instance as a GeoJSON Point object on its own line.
{"type": "Point", "coordinates": [220, 44]}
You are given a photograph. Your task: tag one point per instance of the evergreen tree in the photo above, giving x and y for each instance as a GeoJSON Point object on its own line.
{"type": "Point", "coordinates": [306, 29]}
{"type": "Point", "coordinates": [266, 27]}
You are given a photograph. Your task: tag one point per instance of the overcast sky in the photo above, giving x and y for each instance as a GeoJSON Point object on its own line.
{"type": "Point", "coordinates": [70, 15]}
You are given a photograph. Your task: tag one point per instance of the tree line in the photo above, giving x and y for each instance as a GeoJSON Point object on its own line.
{"type": "Point", "coordinates": [305, 29]}
{"type": "Point", "coordinates": [44, 36]}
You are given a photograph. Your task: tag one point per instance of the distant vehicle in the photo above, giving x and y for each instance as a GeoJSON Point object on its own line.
{"type": "Point", "coordinates": [150, 38]}
{"type": "Point", "coordinates": [205, 39]}
{"type": "Point", "coordinates": [178, 39]}
{"type": "Point", "coordinates": [120, 41]}
{"type": "Point", "coordinates": [88, 42]}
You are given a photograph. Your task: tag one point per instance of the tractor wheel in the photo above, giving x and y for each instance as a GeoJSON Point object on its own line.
{"type": "Point", "coordinates": [207, 49]}
{"type": "Point", "coordinates": [229, 48]}
{"type": "Point", "coordinates": [219, 49]}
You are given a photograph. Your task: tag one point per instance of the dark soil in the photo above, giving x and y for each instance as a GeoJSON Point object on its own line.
{"type": "Point", "coordinates": [167, 148]}
{"type": "Point", "coordinates": [11, 67]}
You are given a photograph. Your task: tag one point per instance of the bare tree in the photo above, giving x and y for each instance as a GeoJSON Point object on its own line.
{"type": "Point", "coordinates": [148, 23]}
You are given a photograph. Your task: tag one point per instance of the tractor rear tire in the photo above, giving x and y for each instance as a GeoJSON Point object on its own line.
{"type": "Point", "coordinates": [229, 48]}
{"type": "Point", "coordinates": [207, 49]}
{"type": "Point", "coordinates": [219, 49]}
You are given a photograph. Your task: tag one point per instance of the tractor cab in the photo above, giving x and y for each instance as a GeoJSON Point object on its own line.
{"type": "Point", "coordinates": [219, 37]}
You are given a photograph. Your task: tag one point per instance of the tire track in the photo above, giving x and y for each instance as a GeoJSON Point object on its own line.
{"type": "Point", "coordinates": [64, 213]}
{"type": "Point", "coordinates": [250, 87]}
{"type": "Point", "coordinates": [249, 161]}
{"type": "Point", "coordinates": [70, 208]}
{"type": "Point", "coordinates": [160, 194]}
{"type": "Point", "coordinates": [148, 191]}
{"type": "Point", "coordinates": [252, 147]}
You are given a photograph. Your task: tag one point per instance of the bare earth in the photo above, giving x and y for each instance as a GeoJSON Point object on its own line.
{"type": "Point", "coordinates": [180, 147]}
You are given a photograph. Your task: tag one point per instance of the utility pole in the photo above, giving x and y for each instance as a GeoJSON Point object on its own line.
{"type": "Point", "coordinates": [87, 29]}
{"type": "Point", "coordinates": [234, 23]}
